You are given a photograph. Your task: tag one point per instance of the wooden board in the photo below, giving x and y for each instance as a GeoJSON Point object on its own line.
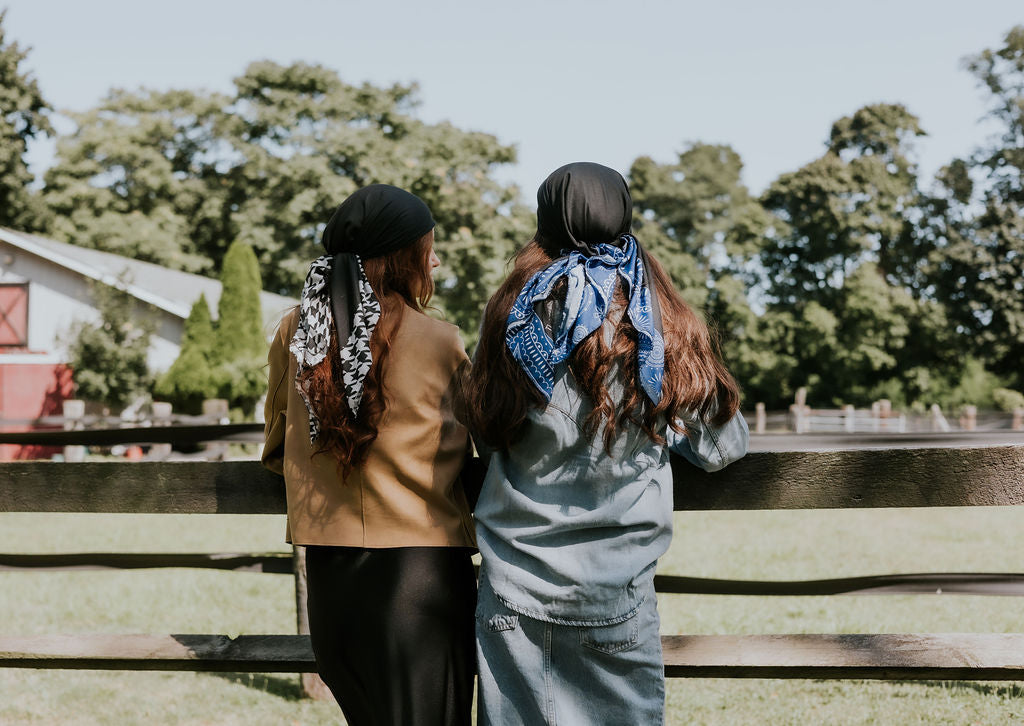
{"type": "Point", "coordinates": [954, 656]}
{"type": "Point", "coordinates": [924, 477]}
{"type": "Point", "coordinates": [957, 656]}
{"type": "Point", "coordinates": [271, 562]}
{"type": "Point", "coordinates": [245, 653]}
{"type": "Point", "coordinates": [240, 432]}
{"type": "Point", "coordinates": [178, 487]}
{"type": "Point", "coordinates": [937, 583]}
{"type": "Point", "coordinates": [768, 480]}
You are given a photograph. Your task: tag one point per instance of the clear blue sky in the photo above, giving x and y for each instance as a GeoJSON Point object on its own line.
{"type": "Point", "coordinates": [562, 80]}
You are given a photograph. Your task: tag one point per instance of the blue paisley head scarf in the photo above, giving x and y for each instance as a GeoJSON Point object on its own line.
{"type": "Point", "coordinates": [585, 210]}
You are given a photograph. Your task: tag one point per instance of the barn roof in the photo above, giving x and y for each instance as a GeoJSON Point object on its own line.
{"type": "Point", "coordinates": [171, 290]}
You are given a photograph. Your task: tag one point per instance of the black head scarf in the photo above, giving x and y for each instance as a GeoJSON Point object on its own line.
{"type": "Point", "coordinates": [374, 221]}
{"type": "Point", "coordinates": [583, 204]}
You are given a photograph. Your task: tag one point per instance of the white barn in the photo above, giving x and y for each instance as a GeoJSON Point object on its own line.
{"type": "Point", "coordinates": [45, 286]}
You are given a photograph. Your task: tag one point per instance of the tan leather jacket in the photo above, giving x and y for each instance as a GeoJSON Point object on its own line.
{"type": "Point", "coordinates": [407, 493]}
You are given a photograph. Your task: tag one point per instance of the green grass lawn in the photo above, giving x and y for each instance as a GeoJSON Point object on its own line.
{"type": "Point", "coordinates": [755, 545]}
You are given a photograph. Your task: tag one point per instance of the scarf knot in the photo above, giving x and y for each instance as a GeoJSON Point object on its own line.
{"type": "Point", "coordinates": [312, 338]}
{"type": "Point", "coordinates": [591, 281]}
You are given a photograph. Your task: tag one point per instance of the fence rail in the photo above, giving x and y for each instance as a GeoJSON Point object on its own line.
{"type": "Point", "coordinates": [178, 434]}
{"type": "Point", "coordinates": [930, 477]}
{"type": "Point", "coordinates": [979, 476]}
{"type": "Point", "coordinates": [948, 583]}
{"type": "Point", "coordinates": [979, 656]}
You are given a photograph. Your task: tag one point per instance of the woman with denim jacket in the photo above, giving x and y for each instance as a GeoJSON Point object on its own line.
{"type": "Point", "coordinates": [590, 369]}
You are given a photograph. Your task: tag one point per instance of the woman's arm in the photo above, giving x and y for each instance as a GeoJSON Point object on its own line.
{"type": "Point", "coordinates": [710, 447]}
{"type": "Point", "coordinates": [277, 403]}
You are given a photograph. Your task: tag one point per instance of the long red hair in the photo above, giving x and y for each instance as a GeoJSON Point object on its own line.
{"type": "Point", "coordinates": [499, 395]}
{"type": "Point", "coordinates": [401, 279]}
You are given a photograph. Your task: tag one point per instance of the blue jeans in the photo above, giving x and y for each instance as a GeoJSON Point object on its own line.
{"type": "Point", "coordinates": [535, 672]}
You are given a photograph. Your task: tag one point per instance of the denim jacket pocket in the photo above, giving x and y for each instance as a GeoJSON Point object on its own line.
{"type": "Point", "coordinates": [612, 638]}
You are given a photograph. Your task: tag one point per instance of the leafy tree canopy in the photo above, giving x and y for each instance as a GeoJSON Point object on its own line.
{"type": "Point", "coordinates": [109, 358]}
{"type": "Point", "coordinates": [173, 176]}
{"type": "Point", "coordinates": [191, 378]}
{"type": "Point", "coordinates": [240, 346]}
{"type": "Point", "coordinates": [986, 249]}
{"type": "Point", "coordinates": [23, 116]}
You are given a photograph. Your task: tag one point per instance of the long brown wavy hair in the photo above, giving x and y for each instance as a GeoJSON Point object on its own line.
{"type": "Point", "coordinates": [498, 394]}
{"type": "Point", "coordinates": [401, 279]}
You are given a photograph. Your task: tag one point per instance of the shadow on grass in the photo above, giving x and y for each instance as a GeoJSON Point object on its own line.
{"type": "Point", "coordinates": [288, 687]}
{"type": "Point", "coordinates": [986, 688]}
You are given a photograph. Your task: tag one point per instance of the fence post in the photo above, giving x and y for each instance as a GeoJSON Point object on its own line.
{"type": "Point", "coordinates": [885, 413]}
{"type": "Point", "coordinates": [799, 410]}
{"type": "Point", "coordinates": [312, 685]}
{"type": "Point", "coordinates": [216, 408]}
{"type": "Point", "coordinates": [74, 412]}
{"type": "Point", "coordinates": [161, 413]}
{"type": "Point", "coordinates": [760, 419]}
{"type": "Point", "coordinates": [969, 418]}
{"type": "Point", "coordinates": [849, 418]}
{"type": "Point", "coordinates": [939, 422]}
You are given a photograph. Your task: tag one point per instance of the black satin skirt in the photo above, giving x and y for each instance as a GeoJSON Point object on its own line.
{"type": "Point", "coordinates": [392, 632]}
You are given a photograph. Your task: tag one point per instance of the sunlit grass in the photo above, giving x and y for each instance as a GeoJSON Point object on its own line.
{"type": "Point", "coordinates": [754, 545]}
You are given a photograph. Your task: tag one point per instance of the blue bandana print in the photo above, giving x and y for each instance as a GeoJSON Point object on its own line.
{"type": "Point", "coordinates": [591, 286]}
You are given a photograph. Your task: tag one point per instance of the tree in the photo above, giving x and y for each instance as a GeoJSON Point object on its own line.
{"type": "Point", "coordinates": [109, 358]}
{"type": "Point", "coordinates": [699, 220]}
{"type": "Point", "coordinates": [844, 265]}
{"type": "Point", "coordinates": [848, 207]}
{"type": "Point", "coordinates": [295, 172]}
{"type": "Point", "coordinates": [240, 347]}
{"type": "Point", "coordinates": [225, 360]}
{"type": "Point", "coordinates": [191, 378]}
{"type": "Point", "coordinates": [23, 117]}
{"type": "Point", "coordinates": [239, 315]}
{"type": "Point", "coordinates": [135, 178]}
{"type": "Point", "coordinates": [978, 228]}
{"type": "Point", "coordinates": [173, 176]}
{"type": "Point", "coordinates": [703, 208]}
{"type": "Point", "coordinates": [1008, 400]}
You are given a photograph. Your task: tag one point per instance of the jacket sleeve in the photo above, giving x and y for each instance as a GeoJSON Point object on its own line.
{"type": "Point", "coordinates": [471, 474]}
{"type": "Point", "coordinates": [710, 447]}
{"type": "Point", "coordinates": [277, 403]}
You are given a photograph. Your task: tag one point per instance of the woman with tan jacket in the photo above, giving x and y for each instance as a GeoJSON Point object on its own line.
{"type": "Point", "coordinates": [359, 421]}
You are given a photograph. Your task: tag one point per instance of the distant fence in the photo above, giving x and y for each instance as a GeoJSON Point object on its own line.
{"type": "Point", "coordinates": [70, 434]}
{"type": "Point", "coordinates": [164, 430]}
{"type": "Point", "coordinates": [769, 480]}
{"type": "Point", "coordinates": [880, 418]}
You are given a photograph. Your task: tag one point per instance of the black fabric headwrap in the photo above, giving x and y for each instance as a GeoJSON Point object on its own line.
{"type": "Point", "coordinates": [374, 221]}
{"type": "Point", "coordinates": [582, 204]}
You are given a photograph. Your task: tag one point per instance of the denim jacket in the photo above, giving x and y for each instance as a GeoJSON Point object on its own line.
{"type": "Point", "coordinates": [571, 535]}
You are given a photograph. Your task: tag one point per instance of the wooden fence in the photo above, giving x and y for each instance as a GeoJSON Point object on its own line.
{"type": "Point", "coordinates": [771, 480]}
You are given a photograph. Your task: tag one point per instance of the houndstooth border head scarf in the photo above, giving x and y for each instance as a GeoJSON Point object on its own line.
{"type": "Point", "coordinates": [313, 336]}
{"type": "Point", "coordinates": [374, 221]}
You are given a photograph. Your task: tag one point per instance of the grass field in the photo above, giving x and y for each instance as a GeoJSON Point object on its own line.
{"type": "Point", "coordinates": [755, 545]}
